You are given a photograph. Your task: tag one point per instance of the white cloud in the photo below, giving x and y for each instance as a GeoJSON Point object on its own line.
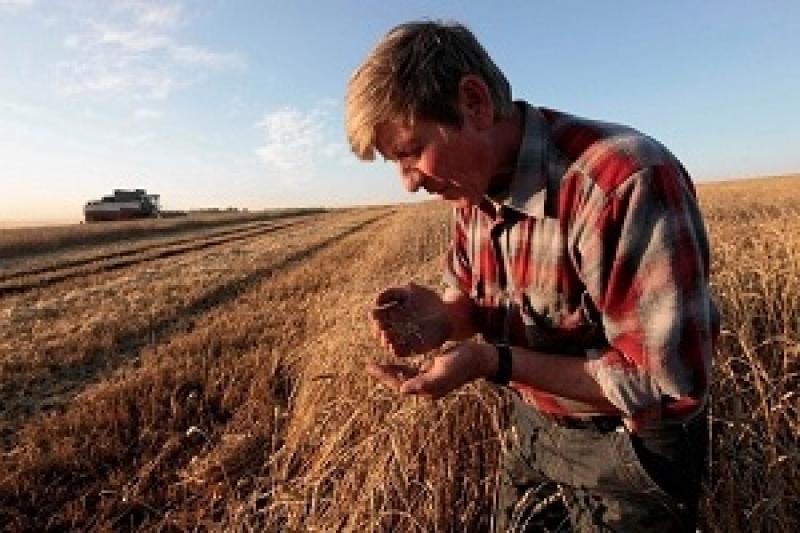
{"type": "Point", "coordinates": [194, 55]}
{"type": "Point", "coordinates": [298, 143]}
{"type": "Point", "coordinates": [144, 113]}
{"type": "Point", "coordinates": [160, 15]}
{"type": "Point", "coordinates": [135, 40]}
{"type": "Point", "coordinates": [73, 41]}
{"type": "Point", "coordinates": [21, 109]}
{"type": "Point", "coordinates": [340, 152]}
{"type": "Point", "coordinates": [135, 140]}
{"type": "Point", "coordinates": [16, 4]}
{"type": "Point", "coordinates": [292, 138]}
{"type": "Point", "coordinates": [103, 74]}
{"type": "Point", "coordinates": [134, 51]}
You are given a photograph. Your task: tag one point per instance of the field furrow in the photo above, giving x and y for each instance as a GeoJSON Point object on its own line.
{"type": "Point", "coordinates": [23, 280]}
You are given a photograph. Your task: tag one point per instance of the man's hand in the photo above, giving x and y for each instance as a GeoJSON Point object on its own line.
{"type": "Point", "coordinates": [411, 320]}
{"type": "Point", "coordinates": [466, 362]}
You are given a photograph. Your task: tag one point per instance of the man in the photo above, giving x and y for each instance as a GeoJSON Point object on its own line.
{"type": "Point", "coordinates": [578, 253]}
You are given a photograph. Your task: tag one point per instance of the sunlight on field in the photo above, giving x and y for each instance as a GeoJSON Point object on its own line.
{"type": "Point", "coordinates": [224, 388]}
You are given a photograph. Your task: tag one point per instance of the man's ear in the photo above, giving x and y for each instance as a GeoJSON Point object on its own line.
{"type": "Point", "coordinates": [475, 102]}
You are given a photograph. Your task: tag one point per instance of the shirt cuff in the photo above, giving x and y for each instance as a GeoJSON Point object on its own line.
{"type": "Point", "coordinates": [630, 389]}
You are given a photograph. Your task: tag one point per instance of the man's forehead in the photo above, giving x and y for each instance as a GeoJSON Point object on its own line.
{"type": "Point", "coordinates": [396, 129]}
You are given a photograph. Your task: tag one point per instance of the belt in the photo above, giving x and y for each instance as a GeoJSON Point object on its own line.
{"type": "Point", "coordinates": [601, 424]}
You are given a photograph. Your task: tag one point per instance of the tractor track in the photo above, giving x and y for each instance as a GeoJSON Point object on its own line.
{"type": "Point", "coordinates": [42, 277]}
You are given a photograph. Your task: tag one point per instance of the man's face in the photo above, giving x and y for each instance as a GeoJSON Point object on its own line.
{"type": "Point", "coordinates": [452, 163]}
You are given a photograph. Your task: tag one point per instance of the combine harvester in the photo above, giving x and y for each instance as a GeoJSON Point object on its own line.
{"type": "Point", "coordinates": [123, 205]}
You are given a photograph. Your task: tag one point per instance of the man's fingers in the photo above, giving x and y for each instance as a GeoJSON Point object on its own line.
{"type": "Point", "coordinates": [410, 381]}
{"type": "Point", "coordinates": [393, 376]}
{"type": "Point", "coordinates": [400, 350]}
{"type": "Point", "coordinates": [394, 344]}
{"type": "Point", "coordinates": [392, 322]}
{"type": "Point", "coordinates": [394, 294]}
{"type": "Point", "coordinates": [416, 385]}
{"type": "Point", "coordinates": [423, 385]}
{"type": "Point", "coordinates": [378, 314]}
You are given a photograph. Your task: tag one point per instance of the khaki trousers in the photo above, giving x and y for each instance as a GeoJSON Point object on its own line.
{"type": "Point", "coordinates": [587, 478]}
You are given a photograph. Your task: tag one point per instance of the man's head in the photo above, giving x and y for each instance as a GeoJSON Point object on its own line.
{"type": "Point", "coordinates": [428, 97]}
{"type": "Point", "coordinates": [414, 74]}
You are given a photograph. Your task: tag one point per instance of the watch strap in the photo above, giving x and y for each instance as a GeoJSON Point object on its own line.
{"type": "Point", "coordinates": [503, 374]}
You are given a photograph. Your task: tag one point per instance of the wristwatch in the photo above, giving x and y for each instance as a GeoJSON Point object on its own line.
{"type": "Point", "coordinates": [503, 374]}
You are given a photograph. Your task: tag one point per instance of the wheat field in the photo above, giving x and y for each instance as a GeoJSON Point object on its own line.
{"type": "Point", "coordinates": [222, 389]}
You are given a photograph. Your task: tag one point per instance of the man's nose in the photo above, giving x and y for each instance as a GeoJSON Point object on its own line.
{"type": "Point", "coordinates": [412, 178]}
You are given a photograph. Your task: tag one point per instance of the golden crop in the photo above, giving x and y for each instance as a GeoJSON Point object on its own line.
{"type": "Point", "coordinates": [223, 389]}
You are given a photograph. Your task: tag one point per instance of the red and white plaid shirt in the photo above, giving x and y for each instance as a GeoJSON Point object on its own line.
{"type": "Point", "coordinates": [597, 249]}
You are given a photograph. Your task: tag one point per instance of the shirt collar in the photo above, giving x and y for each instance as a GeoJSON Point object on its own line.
{"type": "Point", "coordinates": [527, 191]}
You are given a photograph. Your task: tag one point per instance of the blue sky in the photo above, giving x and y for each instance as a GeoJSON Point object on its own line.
{"type": "Point", "coordinates": [239, 102]}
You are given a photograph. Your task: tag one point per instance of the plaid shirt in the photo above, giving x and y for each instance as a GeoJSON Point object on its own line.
{"type": "Point", "coordinates": [597, 249]}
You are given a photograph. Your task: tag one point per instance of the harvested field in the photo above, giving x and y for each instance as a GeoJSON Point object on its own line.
{"type": "Point", "coordinates": [222, 387]}
{"type": "Point", "coordinates": [48, 271]}
{"type": "Point", "coordinates": [27, 241]}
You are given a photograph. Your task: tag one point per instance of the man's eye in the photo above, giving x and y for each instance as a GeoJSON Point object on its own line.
{"type": "Point", "coordinates": [414, 151]}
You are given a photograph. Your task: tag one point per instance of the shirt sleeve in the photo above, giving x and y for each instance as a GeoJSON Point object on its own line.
{"type": "Point", "coordinates": [457, 273]}
{"type": "Point", "coordinates": [644, 256]}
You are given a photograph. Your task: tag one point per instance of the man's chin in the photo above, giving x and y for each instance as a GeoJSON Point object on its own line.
{"type": "Point", "coordinates": [455, 201]}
